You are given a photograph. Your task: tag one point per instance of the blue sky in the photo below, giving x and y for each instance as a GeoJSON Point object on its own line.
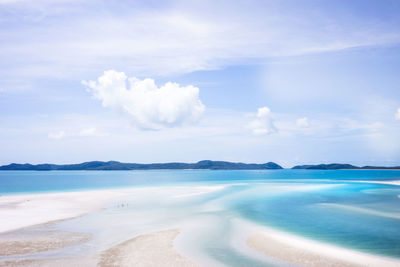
{"type": "Point", "coordinates": [294, 82]}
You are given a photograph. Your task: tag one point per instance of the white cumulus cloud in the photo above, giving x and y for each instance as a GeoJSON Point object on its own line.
{"type": "Point", "coordinates": [263, 124]}
{"type": "Point", "coordinates": [302, 122]}
{"type": "Point", "coordinates": [397, 116]}
{"type": "Point", "coordinates": [149, 106]}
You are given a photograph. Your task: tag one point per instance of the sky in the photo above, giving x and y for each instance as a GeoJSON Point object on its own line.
{"type": "Point", "coordinates": [293, 82]}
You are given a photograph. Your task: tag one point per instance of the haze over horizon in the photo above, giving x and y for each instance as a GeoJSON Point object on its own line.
{"type": "Point", "coordinates": [292, 82]}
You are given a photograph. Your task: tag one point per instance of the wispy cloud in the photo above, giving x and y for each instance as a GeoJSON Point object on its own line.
{"type": "Point", "coordinates": [397, 115]}
{"type": "Point", "coordinates": [48, 47]}
{"type": "Point", "coordinates": [303, 122]}
{"type": "Point", "coordinates": [160, 41]}
{"type": "Point", "coordinates": [90, 132]}
{"type": "Point", "coordinates": [85, 132]}
{"type": "Point", "coordinates": [57, 135]}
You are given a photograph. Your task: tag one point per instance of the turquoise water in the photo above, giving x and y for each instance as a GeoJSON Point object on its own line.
{"type": "Point", "coordinates": [48, 181]}
{"type": "Point", "coordinates": [339, 207]}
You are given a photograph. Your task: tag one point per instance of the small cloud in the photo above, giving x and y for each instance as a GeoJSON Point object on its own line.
{"type": "Point", "coordinates": [58, 135]}
{"type": "Point", "coordinates": [397, 116]}
{"type": "Point", "coordinates": [150, 106]}
{"type": "Point", "coordinates": [264, 123]}
{"type": "Point", "coordinates": [303, 123]}
{"type": "Point", "coordinates": [353, 125]}
{"type": "Point", "coordinates": [86, 132]}
{"type": "Point", "coordinates": [91, 132]}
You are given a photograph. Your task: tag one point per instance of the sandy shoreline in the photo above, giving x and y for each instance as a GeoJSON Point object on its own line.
{"type": "Point", "coordinates": [22, 235]}
{"type": "Point", "coordinates": [26, 241]}
{"type": "Point", "coordinates": [20, 211]}
{"type": "Point", "coordinates": [154, 249]}
{"type": "Point", "coordinates": [148, 247]}
{"type": "Point", "coordinates": [24, 210]}
{"type": "Point", "coordinates": [306, 252]}
{"type": "Point", "coordinates": [396, 182]}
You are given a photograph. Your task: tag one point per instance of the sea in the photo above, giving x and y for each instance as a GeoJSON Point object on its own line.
{"type": "Point", "coordinates": [345, 208]}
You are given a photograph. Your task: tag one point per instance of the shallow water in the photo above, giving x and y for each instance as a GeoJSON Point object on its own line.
{"type": "Point", "coordinates": [46, 181]}
{"type": "Point", "coordinates": [329, 206]}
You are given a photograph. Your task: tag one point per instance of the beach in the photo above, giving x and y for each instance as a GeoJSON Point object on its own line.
{"type": "Point", "coordinates": [306, 252]}
{"type": "Point", "coordinates": [178, 133]}
{"type": "Point", "coordinates": [19, 237]}
{"type": "Point", "coordinates": [18, 211]}
{"type": "Point", "coordinates": [154, 249]}
{"type": "Point", "coordinates": [190, 225]}
{"type": "Point", "coordinates": [24, 216]}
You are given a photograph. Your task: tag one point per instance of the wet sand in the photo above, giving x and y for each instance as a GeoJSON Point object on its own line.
{"type": "Point", "coordinates": [304, 252]}
{"type": "Point", "coordinates": [154, 249]}
{"type": "Point", "coordinates": [60, 262]}
{"type": "Point", "coordinates": [19, 244]}
{"type": "Point", "coordinates": [26, 241]}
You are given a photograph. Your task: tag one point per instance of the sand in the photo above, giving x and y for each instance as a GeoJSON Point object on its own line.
{"type": "Point", "coordinates": [19, 211]}
{"type": "Point", "coordinates": [23, 242]}
{"type": "Point", "coordinates": [24, 233]}
{"type": "Point", "coordinates": [155, 249]}
{"type": "Point", "coordinates": [305, 252]}
{"type": "Point", "coordinates": [394, 182]}
{"type": "Point", "coordinates": [28, 241]}
{"type": "Point", "coordinates": [59, 262]}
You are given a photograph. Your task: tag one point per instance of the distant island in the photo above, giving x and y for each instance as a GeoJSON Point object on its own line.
{"type": "Point", "coordinates": [115, 165]}
{"type": "Point", "coordinates": [339, 166]}
{"type": "Point", "coordinates": [201, 165]}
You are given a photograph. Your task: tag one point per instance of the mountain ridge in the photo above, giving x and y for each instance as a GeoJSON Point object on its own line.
{"type": "Point", "coordinates": [341, 166]}
{"type": "Point", "coordinates": [200, 165]}
{"type": "Point", "coordinates": [116, 165]}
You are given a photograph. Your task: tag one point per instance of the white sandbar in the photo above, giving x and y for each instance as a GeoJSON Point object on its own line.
{"type": "Point", "coordinates": [154, 249]}
{"type": "Point", "coordinates": [306, 252]}
{"type": "Point", "coordinates": [19, 211]}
